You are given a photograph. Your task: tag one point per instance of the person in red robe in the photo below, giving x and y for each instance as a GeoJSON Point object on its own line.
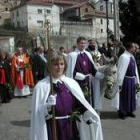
{"type": "Point", "coordinates": [21, 74]}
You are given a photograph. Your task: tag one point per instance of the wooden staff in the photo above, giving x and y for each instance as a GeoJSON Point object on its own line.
{"type": "Point", "coordinates": [50, 74]}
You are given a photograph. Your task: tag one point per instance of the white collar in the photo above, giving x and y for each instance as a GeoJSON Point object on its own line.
{"type": "Point", "coordinates": [128, 53]}
{"type": "Point", "coordinates": [78, 51]}
{"type": "Point", "coordinates": [54, 80]}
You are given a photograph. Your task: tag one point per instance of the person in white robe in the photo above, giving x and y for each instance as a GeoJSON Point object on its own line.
{"type": "Point", "coordinates": [95, 75]}
{"type": "Point", "coordinates": [42, 102]}
{"type": "Point", "coordinates": [122, 75]}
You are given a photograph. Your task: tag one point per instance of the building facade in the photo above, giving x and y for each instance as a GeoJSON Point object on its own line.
{"type": "Point", "coordinates": [69, 19]}
{"type": "Point", "coordinates": [7, 43]}
{"type": "Point", "coordinates": [5, 6]}
{"type": "Point", "coordinates": [86, 21]}
{"type": "Point", "coordinates": [31, 17]}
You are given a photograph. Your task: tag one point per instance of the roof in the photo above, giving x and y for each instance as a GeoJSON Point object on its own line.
{"type": "Point", "coordinates": [102, 2]}
{"type": "Point", "coordinates": [68, 2]}
{"type": "Point", "coordinates": [39, 2]}
{"type": "Point", "coordinates": [46, 2]}
{"type": "Point", "coordinates": [102, 14]}
{"type": "Point", "coordinates": [95, 14]}
{"type": "Point", "coordinates": [78, 5]}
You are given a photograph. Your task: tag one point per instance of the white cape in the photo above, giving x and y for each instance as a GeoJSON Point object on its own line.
{"type": "Point", "coordinates": [39, 111]}
{"type": "Point", "coordinates": [123, 63]}
{"type": "Point", "coordinates": [71, 61]}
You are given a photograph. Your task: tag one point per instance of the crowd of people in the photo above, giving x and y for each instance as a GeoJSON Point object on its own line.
{"type": "Point", "coordinates": [71, 86]}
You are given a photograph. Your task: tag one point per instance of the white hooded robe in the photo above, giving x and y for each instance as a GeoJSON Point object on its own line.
{"type": "Point", "coordinates": [71, 61]}
{"type": "Point", "coordinates": [39, 111]}
{"type": "Point", "coordinates": [123, 63]}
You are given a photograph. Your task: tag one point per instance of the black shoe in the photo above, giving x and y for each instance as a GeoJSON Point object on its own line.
{"type": "Point", "coordinates": [121, 116]}
{"type": "Point", "coordinates": [24, 96]}
{"type": "Point", "coordinates": [131, 115]}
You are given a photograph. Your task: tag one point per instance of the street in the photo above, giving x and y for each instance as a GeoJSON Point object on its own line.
{"type": "Point", "coordinates": [15, 116]}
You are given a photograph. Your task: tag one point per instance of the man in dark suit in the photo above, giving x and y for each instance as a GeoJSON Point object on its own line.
{"type": "Point", "coordinates": [39, 64]}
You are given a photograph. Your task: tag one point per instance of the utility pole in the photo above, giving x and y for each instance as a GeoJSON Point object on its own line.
{"type": "Point", "coordinates": [107, 29]}
{"type": "Point", "coordinates": [116, 20]}
{"type": "Point", "coordinates": [46, 24]}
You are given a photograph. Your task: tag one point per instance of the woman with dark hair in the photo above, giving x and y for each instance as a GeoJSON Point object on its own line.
{"type": "Point", "coordinates": [67, 99]}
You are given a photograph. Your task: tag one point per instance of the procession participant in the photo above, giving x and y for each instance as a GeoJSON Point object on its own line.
{"type": "Point", "coordinates": [62, 50]}
{"type": "Point", "coordinates": [2, 78]}
{"type": "Point", "coordinates": [8, 85]}
{"type": "Point", "coordinates": [74, 47]}
{"type": "Point", "coordinates": [80, 67]}
{"type": "Point", "coordinates": [93, 49]}
{"type": "Point", "coordinates": [21, 74]}
{"type": "Point", "coordinates": [67, 100]}
{"type": "Point", "coordinates": [40, 64]}
{"type": "Point", "coordinates": [127, 77]}
{"type": "Point", "coordinates": [103, 49]}
{"type": "Point", "coordinates": [33, 63]}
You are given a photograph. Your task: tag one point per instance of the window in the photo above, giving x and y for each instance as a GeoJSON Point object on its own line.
{"type": "Point", "coordinates": [39, 11]}
{"type": "Point", "coordinates": [0, 17]}
{"type": "Point", "coordinates": [48, 11]}
{"type": "Point", "coordinates": [101, 30]}
{"type": "Point", "coordinates": [40, 23]}
{"type": "Point", "coordinates": [101, 20]}
{"type": "Point", "coordinates": [101, 8]}
{"type": "Point", "coordinates": [6, 9]}
{"type": "Point", "coordinates": [61, 9]}
{"type": "Point", "coordinates": [86, 9]}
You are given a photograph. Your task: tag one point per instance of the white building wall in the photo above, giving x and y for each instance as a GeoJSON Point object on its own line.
{"type": "Point", "coordinates": [34, 21]}
{"type": "Point", "coordinates": [101, 6]}
{"type": "Point", "coordinates": [7, 44]}
{"type": "Point", "coordinates": [55, 19]}
{"type": "Point", "coordinates": [19, 17]}
{"type": "Point", "coordinates": [99, 28]}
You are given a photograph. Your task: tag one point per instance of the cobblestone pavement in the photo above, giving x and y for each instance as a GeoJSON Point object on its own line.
{"type": "Point", "coordinates": [14, 122]}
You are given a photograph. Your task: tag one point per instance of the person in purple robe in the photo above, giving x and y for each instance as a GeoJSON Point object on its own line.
{"type": "Point", "coordinates": [127, 79]}
{"type": "Point", "coordinates": [81, 68]}
{"type": "Point", "coordinates": [70, 107]}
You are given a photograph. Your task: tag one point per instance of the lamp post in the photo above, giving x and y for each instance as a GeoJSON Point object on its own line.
{"type": "Point", "coordinates": [107, 29]}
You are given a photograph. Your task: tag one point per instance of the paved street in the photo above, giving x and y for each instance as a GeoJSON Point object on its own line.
{"type": "Point", "coordinates": [14, 122]}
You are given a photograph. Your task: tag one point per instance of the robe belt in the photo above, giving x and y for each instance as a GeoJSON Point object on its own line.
{"type": "Point", "coordinates": [130, 76]}
{"type": "Point", "coordinates": [57, 118]}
